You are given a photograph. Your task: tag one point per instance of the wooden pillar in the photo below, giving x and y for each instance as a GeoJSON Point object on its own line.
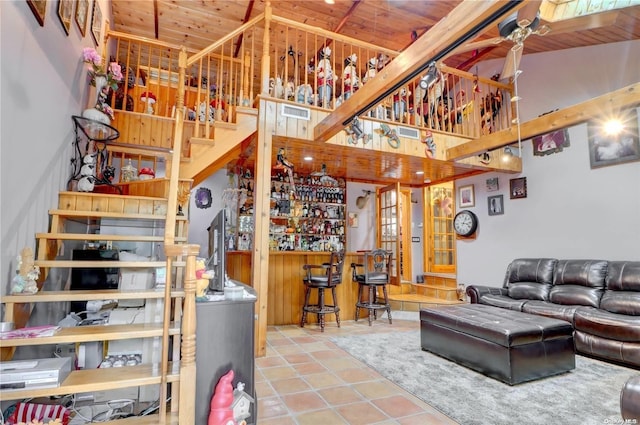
{"type": "Point", "coordinates": [266, 64]}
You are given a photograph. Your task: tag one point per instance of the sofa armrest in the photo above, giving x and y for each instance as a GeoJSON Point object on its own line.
{"type": "Point", "coordinates": [475, 292]}
{"type": "Point", "coordinates": [630, 399]}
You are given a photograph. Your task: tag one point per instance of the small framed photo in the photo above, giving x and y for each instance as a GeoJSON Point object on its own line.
{"type": "Point", "coordinates": [65, 13]}
{"type": "Point", "coordinates": [492, 184]}
{"type": "Point", "coordinates": [82, 14]}
{"type": "Point", "coordinates": [495, 204]}
{"type": "Point", "coordinates": [467, 197]}
{"type": "Point", "coordinates": [518, 188]}
{"type": "Point", "coordinates": [353, 219]}
{"type": "Point", "coordinates": [613, 149]}
{"type": "Point", "coordinates": [38, 7]}
{"type": "Point", "coordinates": [96, 23]}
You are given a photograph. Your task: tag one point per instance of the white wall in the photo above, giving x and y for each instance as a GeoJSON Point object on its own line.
{"type": "Point", "coordinates": [570, 211]}
{"type": "Point", "coordinates": [42, 84]}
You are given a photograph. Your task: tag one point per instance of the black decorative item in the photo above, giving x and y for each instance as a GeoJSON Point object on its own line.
{"type": "Point", "coordinates": [203, 198]}
{"type": "Point", "coordinates": [518, 188]}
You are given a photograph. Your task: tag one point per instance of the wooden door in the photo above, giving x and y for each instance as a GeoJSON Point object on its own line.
{"type": "Point", "coordinates": [388, 218]}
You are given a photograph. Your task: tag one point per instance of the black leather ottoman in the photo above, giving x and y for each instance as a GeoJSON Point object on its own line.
{"type": "Point", "coordinates": [507, 345]}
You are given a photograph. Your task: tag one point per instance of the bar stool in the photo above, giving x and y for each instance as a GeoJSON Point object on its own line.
{"type": "Point", "coordinates": [374, 274]}
{"type": "Point", "coordinates": [329, 277]}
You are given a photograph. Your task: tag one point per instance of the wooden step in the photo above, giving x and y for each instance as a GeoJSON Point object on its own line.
{"type": "Point", "coordinates": [95, 333]}
{"type": "Point", "coordinates": [171, 419]}
{"type": "Point", "coordinates": [435, 291]}
{"type": "Point", "coordinates": [89, 295]}
{"type": "Point", "coordinates": [103, 237]}
{"type": "Point", "coordinates": [114, 215]}
{"type": "Point", "coordinates": [90, 201]}
{"type": "Point", "coordinates": [414, 302]}
{"type": "Point", "coordinates": [102, 264]}
{"type": "Point", "coordinates": [81, 381]}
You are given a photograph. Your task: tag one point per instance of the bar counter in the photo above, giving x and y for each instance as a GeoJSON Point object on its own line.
{"type": "Point", "coordinates": [286, 290]}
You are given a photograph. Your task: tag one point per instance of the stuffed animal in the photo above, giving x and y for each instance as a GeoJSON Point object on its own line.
{"type": "Point", "coordinates": [202, 112]}
{"type": "Point", "coordinates": [400, 103]}
{"type": "Point", "coordinates": [289, 90]}
{"type": "Point", "coordinates": [304, 94]}
{"type": "Point", "coordinates": [325, 78]}
{"type": "Point", "coordinates": [372, 66]}
{"type": "Point", "coordinates": [276, 89]}
{"type": "Point", "coordinates": [87, 174]}
{"type": "Point", "coordinates": [350, 77]}
{"type": "Point", "coordinates": [202, 278]}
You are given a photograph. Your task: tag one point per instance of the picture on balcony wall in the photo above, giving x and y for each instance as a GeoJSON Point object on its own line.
{"type": "Point", "coordinates": [38, 7]}
{"type": "Point", "coordinates": [82, 13]}
{"type": "Point", "coordinates": [65, 13]}
{"type": "Point", "coordinates": [96, 23]}
{"type": "Point", "coordinates": [551, 142]}
{"type": "Point", "coordinates": [492, 184]}
{"type": "Point", "coordinates": [609, 147]}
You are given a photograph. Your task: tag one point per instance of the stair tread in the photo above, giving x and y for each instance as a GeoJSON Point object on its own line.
{"type": "Point", "coordinates": [111, 195]}
{"type": "Point", "coordinates": [416, 298]}
{"type": "Point", "coordinates": [104, 237]}
{"type": "Point", "coordinates": [434, 286]}
{"type": "Point", "coordinates": [100, 264]}
{"type": "Point", "coordinates": [108, 214]}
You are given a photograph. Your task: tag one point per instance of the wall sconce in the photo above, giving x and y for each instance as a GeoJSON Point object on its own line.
{"type": "Point", "coordinates": [509, 152]}
{"type": "Point", "coordinates": [430, 77]}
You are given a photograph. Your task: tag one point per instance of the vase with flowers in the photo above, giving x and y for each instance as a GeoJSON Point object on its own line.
{"type": "Point", "coordinates": [103, 80]}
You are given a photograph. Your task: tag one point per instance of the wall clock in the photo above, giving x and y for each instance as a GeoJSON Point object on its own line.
{"type": "Point", "coordinates": [465, 223]}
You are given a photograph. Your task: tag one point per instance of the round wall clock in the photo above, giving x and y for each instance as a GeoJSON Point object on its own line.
{"type": "Point", "coordinates": [465, 223]}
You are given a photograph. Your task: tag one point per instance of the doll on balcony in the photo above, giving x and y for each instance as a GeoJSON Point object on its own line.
{"type": "Point", "coordinates": [325, 78]}
{"type": "Point", "coordinates": [350, 77]}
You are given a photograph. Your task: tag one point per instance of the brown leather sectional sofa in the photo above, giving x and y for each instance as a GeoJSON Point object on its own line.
{"type": "Point", "coordinates": [600, 298]}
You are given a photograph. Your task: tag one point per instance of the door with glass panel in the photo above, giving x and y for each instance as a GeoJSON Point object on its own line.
{"type": "Point", "coordinates": [440, 254]}
{"type": "Point", "coordinates": [389, 221]}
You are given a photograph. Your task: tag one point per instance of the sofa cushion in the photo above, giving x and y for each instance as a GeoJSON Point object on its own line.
{"type": "Point", "coordinates": [578, 282]}
{"type": "Point", "coordinates": [622, 292]}
{"type": "Point", "coordinates": [530, 278]}
{"type": "Point", "coordinates": [618, 327]}
{"type": "Point", "coordinates": [502, 301]}
{"type": "Point", "coordinates": [547, 309]}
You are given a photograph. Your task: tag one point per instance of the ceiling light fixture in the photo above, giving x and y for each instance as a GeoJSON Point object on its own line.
{"type": "Point", "coordinates": [419, 173]}
{"type": "Point", "coordinates": [308, 158]}
{"type": "Point", "coordinates": [330, 1]}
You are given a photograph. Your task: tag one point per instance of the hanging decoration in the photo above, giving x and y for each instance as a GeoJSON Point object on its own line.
{"type": "Point", "coordinates": [203, 198]}
{"type": "Point", "coordinates": [392, 136]}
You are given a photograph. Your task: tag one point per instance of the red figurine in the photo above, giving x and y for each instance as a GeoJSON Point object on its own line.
{"type": "Point", "coordinates": [220, 412]}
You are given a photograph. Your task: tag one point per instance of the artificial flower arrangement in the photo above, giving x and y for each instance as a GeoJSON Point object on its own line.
{"type": "Point", "coordinates": [112, 74]}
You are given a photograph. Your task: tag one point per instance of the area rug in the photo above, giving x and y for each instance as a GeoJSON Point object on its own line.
{"type": "Point", "coordinates": [590, 394]}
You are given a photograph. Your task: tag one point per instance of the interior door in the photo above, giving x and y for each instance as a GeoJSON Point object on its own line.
{"type": "Point", "coordinates": [389, 219]}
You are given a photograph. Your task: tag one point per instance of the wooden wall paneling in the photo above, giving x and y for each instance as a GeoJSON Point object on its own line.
{"type": "Point", "coordinates": [288, 266]}
{"type": "Point", "coordinates": [115, 205]}
{"type": "Point", "coordinates": [84, 203]}
{"type": "Point", "coordinates": [146, 125]}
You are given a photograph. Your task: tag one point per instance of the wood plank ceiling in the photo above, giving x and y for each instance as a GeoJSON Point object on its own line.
{"type": "Point", "coordinates": [392, 24]}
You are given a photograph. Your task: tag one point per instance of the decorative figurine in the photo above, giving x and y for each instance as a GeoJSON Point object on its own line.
{"type": "Point", "coordinates": [220, 412]}
{"type": "Point", "coordinates": [400, 103]}
{"type": "Point", "coordinates": [304, 94]}
{"type": "Point", "coordinates": [325, 78]}
{"type": "Point", "coordinates": [202, 279]}
{"type": "Point", "coordinates": [202, 112]}
{"type": "Point", "coordinates": [372, 66]}
{"type": "Point", "coordinates": [286, 165]}
{"type": "Point", "coordinates": [87, 174]}
{"type": "Point", "coordinates": [149, 99]}
{"type": "Point", "coordinates": [392, 136]}
{"type": "Point", "coordinates": [350, 77]}
{"type": "Point", "coordinates": [25, 281]}
{"type": "Point", "coordinates": [355, 132]}
{"type": "Point", "coordinates": [241, 404]}
{"type": "Point", "coordinates": [430, 145]}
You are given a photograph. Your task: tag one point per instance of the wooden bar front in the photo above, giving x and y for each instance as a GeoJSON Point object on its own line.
{"type": "Point", "coordinates": [286, 290]}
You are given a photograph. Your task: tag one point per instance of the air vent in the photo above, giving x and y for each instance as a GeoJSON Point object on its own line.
{"type": "Point", "coordinates": [296, 112]}
{"type": "Point", "coordinates": [409, 133]}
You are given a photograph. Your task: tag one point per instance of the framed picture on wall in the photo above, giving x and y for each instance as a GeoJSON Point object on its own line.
{"type": "Point", "coordinates": [518, 188]}
{"type": "Point", "coordinates": [607, 147]}
{"type": "Point", "coordinates": [96, 23]}
{"type": "Point", "coordinates": [495, 204]}
{"type": "Point", "coordinates": [467, 198]}
{"type": "Point", "coordinates": [82, 14]}
{"type": "Point", "coordinates": [492, 184]}
{"type": "Point", "coordinates": [38, 7]}
{"type": "Point", "coordinates": [551, 142]}
{"type": "Point", "coordinates": [65, 13]}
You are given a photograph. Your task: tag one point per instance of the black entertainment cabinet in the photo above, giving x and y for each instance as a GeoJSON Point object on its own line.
{"type": "Point", "coordinates": [224, 340]}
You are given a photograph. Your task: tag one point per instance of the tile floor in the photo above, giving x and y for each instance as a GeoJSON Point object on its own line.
{"type": "Point", "coordinates": [305, 379]}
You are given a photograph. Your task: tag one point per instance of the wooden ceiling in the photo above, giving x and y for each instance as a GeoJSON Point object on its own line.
{"type": "Point", "coordinates": [385, 23]}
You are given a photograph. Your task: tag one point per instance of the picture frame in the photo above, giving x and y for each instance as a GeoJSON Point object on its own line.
{"type": "Point", "coordinates": [82, 14]}
{"type": "Point", "coordinates": [492, 184]}
{"type": "Point", "coordinates": [607, 149]}
{"type": "Point", "coordinates": [550, 143]}
{"type": "Point", "coordinates": [39, 8]}
{"type": "Point", "coordinates": [353, 219]}
{"type": "Point", "coordinates": [65, 14]}
{"type": "Point", "coordinates": [466, 196]}
{"type": "Point", "coordinates": [495, 204]}
{"type": "Point", "coordinates": [96, 23]}
{"type": "Point", "coordinates": [518, 188]}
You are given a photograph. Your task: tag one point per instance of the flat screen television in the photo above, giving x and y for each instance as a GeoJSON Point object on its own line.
{"type": "Point", "coordinates": [218, 252]}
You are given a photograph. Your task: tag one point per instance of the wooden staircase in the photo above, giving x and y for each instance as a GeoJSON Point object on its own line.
{"type": "Point", "coordinates": [437, 290]}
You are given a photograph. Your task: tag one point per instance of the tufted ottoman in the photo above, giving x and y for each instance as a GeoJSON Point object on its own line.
{"type": "Point", "coordinates": [507, 345]}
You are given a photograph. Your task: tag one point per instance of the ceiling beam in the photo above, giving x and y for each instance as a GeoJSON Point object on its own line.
{"type": "Point", "coordinates": [602, 106]}
{"type": "Point", "coordinates": [461, 25]}
{"type": "Point", "coordinates": [247, 16]}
